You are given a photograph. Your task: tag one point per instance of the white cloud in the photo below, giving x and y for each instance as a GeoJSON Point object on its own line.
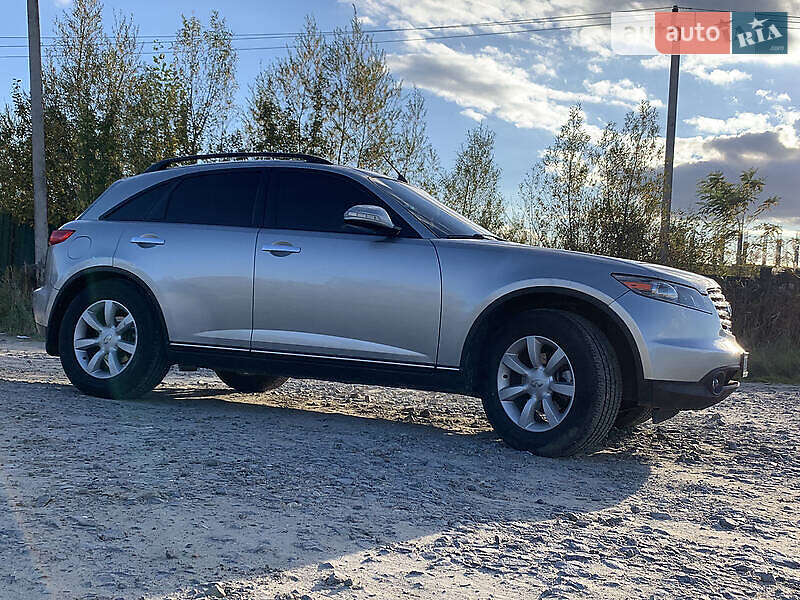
{"type": "Point", "coordinates": [473, 114]}
{"type": "Point", "coordinates": [698, 68]}
{"type": "Point", "coordinates": [740, 123]}
{"type": "Point", "coordinates": [773, 97]}
{"type": "Point", "coordinates": [62, 3]}
{"type": "Point", "coordinates": [623, 93]}
{"type": "Point", "coordinates": [717, 76]}
{"type": "Point", "coordinates": [485, 84]}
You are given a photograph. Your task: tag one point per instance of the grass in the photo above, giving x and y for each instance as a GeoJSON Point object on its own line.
{"type": "Point", "coordinates": [16, 311]}
{"type": "Point", "coordinates": [778, 362]}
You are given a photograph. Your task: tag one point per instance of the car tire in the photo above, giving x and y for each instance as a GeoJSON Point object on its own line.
{"type": "Point", "coordinates": [118, 372]}
{"type": "Point", "coordinates": [579, 422]}
{"type": "Point", "coordinates": [633, 416]}
{"type": "Point", "coordinates": [250, 383]}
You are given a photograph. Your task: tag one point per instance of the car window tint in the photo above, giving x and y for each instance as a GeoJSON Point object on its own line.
{"type": "Point", "coordinates": [147, 206]}
{"type": "Point", "coordinates": [215, 199]}
{"type": "Point", "coordinates": [316, 201]}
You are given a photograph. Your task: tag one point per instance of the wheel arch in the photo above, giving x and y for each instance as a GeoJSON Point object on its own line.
{"type": "Point", "coordinates": [591, 308]}
{"type": "Point", "coordinates": [80, 281]}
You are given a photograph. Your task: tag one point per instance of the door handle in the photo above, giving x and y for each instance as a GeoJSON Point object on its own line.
{"type": "Point", "coordinates": [147, 239]}
{"type": "Point", "coordinates": [280, 249]}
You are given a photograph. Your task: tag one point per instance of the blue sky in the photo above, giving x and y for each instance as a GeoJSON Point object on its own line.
{"type": "Point", "coordinates": [733, 112]}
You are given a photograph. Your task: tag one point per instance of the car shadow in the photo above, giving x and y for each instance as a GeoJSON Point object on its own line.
{"type": "Point", "coordinates": [124, 498]}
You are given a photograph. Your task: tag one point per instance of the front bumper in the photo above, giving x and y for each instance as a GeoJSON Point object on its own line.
{"type": "Point", "coordinates": [714, 387]}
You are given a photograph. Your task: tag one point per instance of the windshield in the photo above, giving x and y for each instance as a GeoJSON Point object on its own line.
{"type": "Point", "coordinates": [442, 221]}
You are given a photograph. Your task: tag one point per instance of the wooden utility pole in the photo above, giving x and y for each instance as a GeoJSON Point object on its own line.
{"type": "Point", "coordinates": [669, 154]}
{"type": "Point", "coordinates": [37, 131]}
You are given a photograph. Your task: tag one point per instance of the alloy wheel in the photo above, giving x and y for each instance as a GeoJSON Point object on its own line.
{"type": "Point", "coordinates": [105, 339]}
{"type": "Point", "coordinates": [536, 383]}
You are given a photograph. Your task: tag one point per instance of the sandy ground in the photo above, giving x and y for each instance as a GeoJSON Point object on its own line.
{"type": "Point", "coordinates": [321, 490]}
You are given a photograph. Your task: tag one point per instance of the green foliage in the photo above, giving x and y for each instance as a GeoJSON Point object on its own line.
{"type": "Point", "coordinates": [108, 114]}
{"type": "Point", "coordinates": [472, 186]}
{"type": "Point", "coordinates": [733, 207]}
{"type": "Point", "coordinates": [16, 311]}
{"type": "Point", "coordinates": [599, 197]}
{"type": "Point", "coordinates": [336, 97]}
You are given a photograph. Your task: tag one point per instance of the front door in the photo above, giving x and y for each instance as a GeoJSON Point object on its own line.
{"type": "Point", "coordinates": [324, 289]}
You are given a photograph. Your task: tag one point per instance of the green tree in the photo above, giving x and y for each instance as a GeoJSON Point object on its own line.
{"type": "Point", "coordinates": [733, 206]}
{"type": "Point", "coordinates": [204, 69]}
{"type": "Point", "coordinates": [623, 216]}
{"type": "Point", "coordinates": [555, 192]}
{"type": "Point", "coordinates": [471, 187]}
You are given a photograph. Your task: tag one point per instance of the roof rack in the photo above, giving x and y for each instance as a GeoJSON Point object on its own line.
{"type": "Point", "coordinates": [310, 158]}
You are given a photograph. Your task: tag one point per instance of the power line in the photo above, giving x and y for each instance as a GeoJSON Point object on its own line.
{"type": "Point", "coordinates": [554, 19]}
{"type": "Point", "coordinates": [401, 29]}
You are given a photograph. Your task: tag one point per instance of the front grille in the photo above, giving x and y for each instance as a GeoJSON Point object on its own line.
{"type": "Point", "coordinates": [723, 307]}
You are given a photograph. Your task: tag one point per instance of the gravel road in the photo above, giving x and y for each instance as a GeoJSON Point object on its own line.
{"type": "Point", "coordinates": [320, 490]}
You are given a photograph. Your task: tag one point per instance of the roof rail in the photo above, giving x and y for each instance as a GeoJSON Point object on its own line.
{"type": "Point", "coordinates": [163, 164]}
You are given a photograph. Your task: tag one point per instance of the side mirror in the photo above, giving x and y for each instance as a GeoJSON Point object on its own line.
{"type": "Point", "coordinates": [371, 217]}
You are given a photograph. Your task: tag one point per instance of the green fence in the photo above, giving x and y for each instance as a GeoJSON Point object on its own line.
{"type": "Point", "coordinates": [16, 243]}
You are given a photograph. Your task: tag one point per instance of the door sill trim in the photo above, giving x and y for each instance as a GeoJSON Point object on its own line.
{"type": "Point", "coordinates": [306, 355]}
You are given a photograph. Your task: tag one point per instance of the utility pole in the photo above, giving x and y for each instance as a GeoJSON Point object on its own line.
{"type": "Point", "coordinates": [37, 127]}
{"type": "Point", "coordinates": [669, 154]}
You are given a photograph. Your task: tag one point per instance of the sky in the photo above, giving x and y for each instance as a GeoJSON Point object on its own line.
{"type": "Point", "coordinates": [734, 111]}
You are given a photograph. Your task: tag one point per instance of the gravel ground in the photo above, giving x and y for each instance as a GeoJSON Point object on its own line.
{"type": "Point", "coordinates": [320, 490]}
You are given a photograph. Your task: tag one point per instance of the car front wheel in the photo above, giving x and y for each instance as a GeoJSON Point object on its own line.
{"type": "Point", "coordinates": [553, 384]}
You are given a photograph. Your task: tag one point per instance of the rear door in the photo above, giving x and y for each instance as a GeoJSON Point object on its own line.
{"type": "Point", "coordinates": [322, 288]}
{"type": "Point", "coordinates": [192, 241]}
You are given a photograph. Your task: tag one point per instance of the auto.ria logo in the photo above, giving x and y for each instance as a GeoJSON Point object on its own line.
{"type": "Point", "coordinates": [701, 32]}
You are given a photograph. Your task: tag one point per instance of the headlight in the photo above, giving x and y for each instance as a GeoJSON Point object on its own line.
{"type": "Point", "coordinates": [665, 290]}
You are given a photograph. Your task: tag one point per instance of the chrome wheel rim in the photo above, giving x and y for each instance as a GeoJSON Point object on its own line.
{"type": "Point", "coordinates": [535, 383]}
{"type": "Point", "coordinates": [105, 339]}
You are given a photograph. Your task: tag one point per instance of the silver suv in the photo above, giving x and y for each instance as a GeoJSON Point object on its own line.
{"type": "Point", "coordinates": [291, 266]}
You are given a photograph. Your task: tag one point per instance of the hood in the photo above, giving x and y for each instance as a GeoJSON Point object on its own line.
{"type": "Point", "coordinates": [625, 266]}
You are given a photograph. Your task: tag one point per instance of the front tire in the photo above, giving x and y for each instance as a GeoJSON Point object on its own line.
{"type": "Point", "coordinates": [111, 342]}
{"type": "Point", "coordinates": [250, 383]}
{"type": "Point", "coordinates": [552, 383]}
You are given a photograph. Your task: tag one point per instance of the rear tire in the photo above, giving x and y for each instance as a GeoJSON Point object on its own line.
{"type": "Point", "coordinates": [579, 421]}
{"type": "Point", "coordinates": [250, 383]}
{"type": "Point", "coordinates": [116, 353]}
{"type": "Point", "coordinates": [633, 416]}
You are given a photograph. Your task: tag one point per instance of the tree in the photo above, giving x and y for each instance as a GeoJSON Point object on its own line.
{"type": "Point", "coordinates": [623, 216]}
{"type": "Point", "coordinates": [555, 191]}
{"type": "Point", "coordinates": [734, 206]}
{"type": "Point", "coordinates": [204, 71]}
{"type": "Point", "coordinates": [411, 149]}
{"type": "Point", "coordinates": [288, 105]}
{"type": "Point", "coordinates": [472, 186]}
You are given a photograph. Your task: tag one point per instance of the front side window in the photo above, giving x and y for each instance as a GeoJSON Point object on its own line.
{"type": "Point", "coordinates": [224, 198]}
{"type": "Point", "coordinates": [442, 220]}
{"type": "Point", "coordinates": [311, 200]}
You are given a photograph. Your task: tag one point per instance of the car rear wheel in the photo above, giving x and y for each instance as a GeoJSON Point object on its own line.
{"type": "Point", "coordinates": [553, 384]}
{"type": "Point", "coordinates": [250, 383]}
{"type": "Point", "coordinates": [633, 416]}
{"type": "Point", "coordinates": [111, 342]}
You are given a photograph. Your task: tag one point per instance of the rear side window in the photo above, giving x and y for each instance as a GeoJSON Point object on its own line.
{"type": "Point", "coordinates": [316, 201]}
{"type": "Point", "coordinates": [147, 206]}
{"type": "Point", "coordinates": [226, 198]}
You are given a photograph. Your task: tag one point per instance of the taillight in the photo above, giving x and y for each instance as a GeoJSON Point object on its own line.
{"type": "Point", "coordinates": [59, 235]}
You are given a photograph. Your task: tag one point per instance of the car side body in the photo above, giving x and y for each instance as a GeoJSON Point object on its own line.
{"type": "Point", "coordinates": [413, 309]}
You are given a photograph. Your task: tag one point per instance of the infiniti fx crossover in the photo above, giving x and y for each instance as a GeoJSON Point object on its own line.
{"type": "Point", "coordinates": [290, 266]}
